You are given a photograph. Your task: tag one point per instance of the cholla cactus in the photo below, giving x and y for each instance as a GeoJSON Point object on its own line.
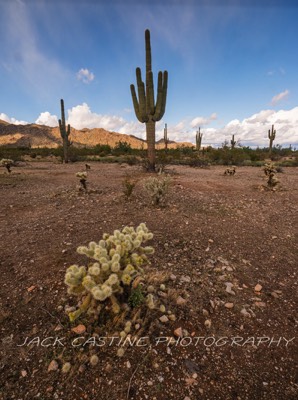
{"type": "Point", "coordinates": [83, 179]}
{"type": "Point", "coordinates": [7, 163]}
{"type": "Point", "coordinates": [270, 171]}
{"type": "Point", "coordinates": [157, 188]}
{"type": "Point", "coordinates": [116, 267]}
{"type": "Point", "coordinates": [230, 171]}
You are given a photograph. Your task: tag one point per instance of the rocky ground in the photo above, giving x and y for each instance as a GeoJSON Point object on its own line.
{"type": "Point", "coordinates": [225, 248]}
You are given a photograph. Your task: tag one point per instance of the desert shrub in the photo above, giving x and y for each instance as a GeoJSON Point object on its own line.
{"type": "Point", "coordinates": [132, 160]}
{"type": "Point", "coordinates": [157, 187]}
{"type": "Point", "coordinates": [114, 273]}
{"type": "Point", "coordinates": [122, 148]}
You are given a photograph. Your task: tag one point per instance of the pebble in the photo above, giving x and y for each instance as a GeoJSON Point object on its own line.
{"type": "Point", "coordinates": [207, 323]}
{"type": "Point", "coordinates": [164, 318]}
{"type": "Point", "coordinates": [229, 286]}
{"type": "Point", "coordinates": [245, 312]}
{"type": "Point", "coordinates": [53, 366]}
{"type": "Point", "coordinates": [79, 329]}
{"type": "Point", "coordinates": [24, 373]}
{"type": "Point", "coordinates": [258, 288]}
{"type": "Point", "coordinates": [180, 301]}
{"type": "Point", "coordinates": [178, 332]}
{"type": "Point", "coordinates": [229, 305]}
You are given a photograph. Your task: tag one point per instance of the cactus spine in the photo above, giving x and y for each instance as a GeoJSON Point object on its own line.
{"type": "Point", "coordinates": [146, 109]}
{"type": "Point", "coordinates": [199, 136]}
{"type": "Point", "coordinates": [165, 136]}
{"type": "Point", "coordinates": [64, 133]}
{"type": "Point", "coordinates": [233, 142]}
{"type": "Point", "coordinates": [271, 136]}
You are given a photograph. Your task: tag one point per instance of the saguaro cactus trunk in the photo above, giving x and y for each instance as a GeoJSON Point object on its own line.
{"type": "Point", "coordinates": [64, 132]}
{"type": "Point", "coordinates": [233, 142]}
{"type": "Point", "coordinates": [165, 136]}
{"type": "Point", "coordinates": [271, 136]}
{"type": "Point", "coordinates": [146, 109]}
{"type": "Point", "coordinates": [199, 136]}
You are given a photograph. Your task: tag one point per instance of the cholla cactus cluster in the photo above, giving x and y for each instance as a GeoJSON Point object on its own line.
{"type": "Point", "coordinates": [7, 163]}
{"type": "Point", "coordinates": [230, 171]}
{"type": "Point", "coordinates": [270, 172]}
{"type": "Point", "coordinates": [158, 189]}
{"type": "Point", "coordinates": [83, 179]}
{"type": "Point", "coordinates": [115, 270]}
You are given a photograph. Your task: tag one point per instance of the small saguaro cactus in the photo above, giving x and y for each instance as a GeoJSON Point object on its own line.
{"type": "Point", "coordinates": [165, 136]}
{"type": "Point", "coordinates": [271, 136]}
{"type": "Point", "coordinates": [199, 136]}
{"type": "Point", "coordinates": [233, 142]}
{"type": "Point", "coordinates": [146, 109]}
{"type": "Point", "coordinates": [64, 133]}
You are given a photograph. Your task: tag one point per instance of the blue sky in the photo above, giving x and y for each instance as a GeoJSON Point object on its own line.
{"type": "Point", "coordinates": [232, 65]}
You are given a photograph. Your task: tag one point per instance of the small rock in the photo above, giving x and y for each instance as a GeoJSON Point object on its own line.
{"type": "Point", "coordinates": [258, 288]}
{"type": "Point", "coordinates": [150, 383]}
{"type": "Point", "coordinates": [128, 364]}
{"type": "Point", "coordinates": [178, 332]}
{"type": "Point", "coordinates": [79, 329]}
{"type": "Point", "coordinates": [207, 323]}
{"type": "Point", "coordinates": [229, 305]}
{"type": "Point", "coordinates": [229, 286]}
{"type": "Point", "coordinates": [180, 301]}
{"type": "Point", "coordinates": [260, 304]}
{"type": "Point", "coordinates": [24, 373]}
{"type": "Point", "coordinates": [53, 366]}
{"type": "Point", "coordinates": [205, 312]}
{"type": "Point", "coordinates": [245, 312]}
{"type": "Point", "coordinates": [185, 279]}
{"type": "Point", "coordinates": [164, 318]}
{"type": "Point", "coordinates": [173, 277]}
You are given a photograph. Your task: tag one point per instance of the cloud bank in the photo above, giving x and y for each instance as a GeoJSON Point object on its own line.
{"type": "Point", "coordinates": [251, 131]}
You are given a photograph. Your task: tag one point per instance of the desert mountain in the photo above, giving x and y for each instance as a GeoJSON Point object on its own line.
{"type": "Point", "coordinates": [33, 136]}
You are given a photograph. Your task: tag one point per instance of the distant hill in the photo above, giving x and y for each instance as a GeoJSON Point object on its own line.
{"type": "Point", "coordinates": [33, 135]}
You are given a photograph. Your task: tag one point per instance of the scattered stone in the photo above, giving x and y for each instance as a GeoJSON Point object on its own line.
{"type": "Point", "coordinates": [229, 305]}
{"type": "Point", "coordinates": [164, 318]}
{"type": "Point", "coordinates": [180, 301]}
{"type": "Point", "coordinates": [178, 332]}
{"type": "Point", "coordinates": [260, 304]}
{"type": "Point", "coordinates": [24, 373]}
{"type": "Point", "coordinates": [258, 288]}
{"type": "Point", "coordinates": [244, 312]}
{"type": "Point", "coordinates": [207, 323]}
{"type": "Point", "coordinates": [79, 329]}
{"type": "Point", "coordinates": [128, 364]}
{"type": "Point", "coordinates": [66, 367]}
{"type": "Point", "coordinates": [150, 383]}
{"type": "Point", "coordinates": [173, 277]}
{"type": "Point", "coordinates": [185, 278]}
{"type": "Point", "coordinates": [31, 288]}
{"type": "Point", "coordinates": [229, 286]}
{"type": "Point", "coordinates": [205, 312]}
{"type": "Point", "coordinates": [53, 366]}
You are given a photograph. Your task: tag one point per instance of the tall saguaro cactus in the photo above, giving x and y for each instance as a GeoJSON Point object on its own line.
{"type": "Point", "coordinates": [271, 136]}
{"type": "Point", "coordinates": [146, 109]}
{"type": "Point", "coordinates": [199, 136]}
{"type": "Point", "coordinates": [64, 133]}
{"type": "Point", "coordinates": [233, 142]}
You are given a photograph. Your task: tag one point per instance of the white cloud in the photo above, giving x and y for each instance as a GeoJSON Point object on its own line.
{"type": "Point", "coordinates": [45, 118]}
{"type": "Point", "coordinates": [85, 75]}
{"type": "Point", "coordinates": [280, 96]}
{"type": "Point", "coordinates": [12, 120]}
{"type": "Point", "coordinates": [199, 121]}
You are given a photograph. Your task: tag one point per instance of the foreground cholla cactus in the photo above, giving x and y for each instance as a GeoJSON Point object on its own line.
{"type": "Point", "coordinates": [7, 163]}
{"type": "Point", "coordinates": [115, 271]}
{"type": "Point", "coordinates": [83, 179]}
{"type": "Point", "coordinates": [157, 188]}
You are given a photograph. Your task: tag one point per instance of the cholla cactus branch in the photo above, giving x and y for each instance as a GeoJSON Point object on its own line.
{"type": "Point", "coordinates": [83, 179]}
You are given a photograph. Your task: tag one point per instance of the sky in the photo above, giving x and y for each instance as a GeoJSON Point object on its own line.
{"type": "Point", "coordinates": [232, 65]}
